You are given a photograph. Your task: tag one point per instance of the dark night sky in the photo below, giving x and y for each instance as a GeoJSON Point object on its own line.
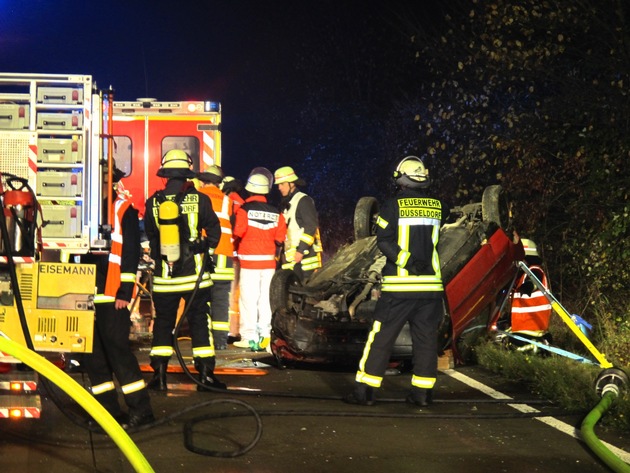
{"type": "Point", "coordinates": [242, 53]}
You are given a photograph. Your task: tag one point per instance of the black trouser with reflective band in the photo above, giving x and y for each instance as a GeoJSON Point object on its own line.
{"type": "Point", "coordinates": [166, 306]}
{"type": "Point", "coordinates": [220, 310]}
{"type": "Point", "coordinates": [392, 314]}
{"type": "Point", "coordinates": [112, 356]}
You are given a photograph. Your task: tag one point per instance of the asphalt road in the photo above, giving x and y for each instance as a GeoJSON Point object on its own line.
{"type": "Point", "coordinates": [306, 428]}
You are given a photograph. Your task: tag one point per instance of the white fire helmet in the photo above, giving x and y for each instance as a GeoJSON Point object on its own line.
{"type": "Point", "coordinates": [411, 173]}
{"type": "Point", "coordinates": [257, 184]}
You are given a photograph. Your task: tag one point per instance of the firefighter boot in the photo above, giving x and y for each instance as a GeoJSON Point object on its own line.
{"type": "Point", "coordinates": [362, 395]}
{"type": "Point", "coordinates": [160, 367]}
{"type": "Point", "coordinates": [209, 380]}
{"type": "Point", "coordinates": [420, 397]}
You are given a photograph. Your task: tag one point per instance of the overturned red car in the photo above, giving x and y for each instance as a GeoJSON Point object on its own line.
{"type": "Point", "coordinates": [328, 318]}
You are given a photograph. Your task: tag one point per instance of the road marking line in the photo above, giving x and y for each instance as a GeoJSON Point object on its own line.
{"type": "Point", "coordinates": [551, 421]}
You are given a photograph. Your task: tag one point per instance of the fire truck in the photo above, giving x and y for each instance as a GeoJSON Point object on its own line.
{"type": "Point", "coordinates": [60, 138]}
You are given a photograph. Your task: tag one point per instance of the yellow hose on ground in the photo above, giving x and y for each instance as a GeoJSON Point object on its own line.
{"type": "Point", "coordinates": [84, 398]}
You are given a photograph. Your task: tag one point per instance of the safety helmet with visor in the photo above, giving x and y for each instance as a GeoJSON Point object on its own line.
{"type": "Point", "coordinates": [176, 163]}
{"type": "Point", "coordinates": [412, 173]}
{"type": "Point", "coordinates": [257, 184]}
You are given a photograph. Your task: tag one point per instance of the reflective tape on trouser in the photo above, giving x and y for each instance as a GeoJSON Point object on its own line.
{"type": "Point", "coordinates": [162, 351]}
{"type": "Point", "coordinates": [133, 387]}
{"type": "Point", "coordinates": [424, 383]}
{"type": "Point", "coordinates": [103, 388]}
{"type": "Point", "coordinates": [220, 326]}
{"type": "Point", "coordinates": [203, 352]}
{"type": "Point", "coordinates": [362, 376]}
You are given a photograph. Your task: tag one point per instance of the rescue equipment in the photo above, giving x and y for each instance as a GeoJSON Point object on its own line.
{"type": "Point", "coordinates": [566, 317]}
{"type": "Point", "coordinates": [19, 212]}
{"type": "Point", "coordinates": [168, 216]}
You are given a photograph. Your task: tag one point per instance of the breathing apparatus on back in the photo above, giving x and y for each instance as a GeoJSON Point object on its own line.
{"type": "Point", "coordinates": [175, 164]}
{"type": "Point", "coordinates": [168, 217]}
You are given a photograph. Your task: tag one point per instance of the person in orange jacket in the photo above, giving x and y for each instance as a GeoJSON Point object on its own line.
{"type": "Point", "coordinates": [259, 229]}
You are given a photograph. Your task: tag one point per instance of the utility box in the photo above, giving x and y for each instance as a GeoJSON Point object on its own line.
{"type": "Point", "coordinates": [61, 220]}
{"type": "Point", "coordinates": [14, 116]}
{"type": "Point", "coordinates": [59, 121]}
{"type": "Point", "coordinates": [59, 95]}
{"type": "Point", "coordinates": [60, 150]}
{"type": "Point", "coordinates": [59, 184]}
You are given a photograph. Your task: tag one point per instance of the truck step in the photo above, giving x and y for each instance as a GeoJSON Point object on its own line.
{"type": "Point", "coordinates": [16, 406]}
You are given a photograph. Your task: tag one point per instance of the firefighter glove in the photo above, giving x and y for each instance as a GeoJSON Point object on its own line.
{"type": "Point", "coordinates": [199, 246]}
{"type": "Point", "coordinates": [418, 267]}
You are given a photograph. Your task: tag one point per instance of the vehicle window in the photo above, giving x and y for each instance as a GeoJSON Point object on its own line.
{"type": "Point", "coordinates": [122, 153]}
{"type": "Point", "coordinates": [190, 144]}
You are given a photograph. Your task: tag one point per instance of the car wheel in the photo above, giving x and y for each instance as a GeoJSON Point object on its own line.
{"type": "Point", "coordinates": [495, 207]}
{"type": "Point", "coordinates": [365, 214]}
{"type": "Point", "coordinates": [279, 294]}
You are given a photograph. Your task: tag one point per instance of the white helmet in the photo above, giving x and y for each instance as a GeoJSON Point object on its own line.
{"type": "Point", "coordinates": [257, 184]}
{"type": "Point", "coordinates": [411, 173]}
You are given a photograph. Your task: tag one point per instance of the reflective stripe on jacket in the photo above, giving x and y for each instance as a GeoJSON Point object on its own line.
{"type": "Point", "coordinates": [408, 230]}
{"type": "Point", "coordinates": [197, 214]}
{"type": "Point", "coordinates": [302, 233]}
{"type": "Point", "coordinates": [114, 275]}
{"type": "Point", "coordinates": [258, 228]}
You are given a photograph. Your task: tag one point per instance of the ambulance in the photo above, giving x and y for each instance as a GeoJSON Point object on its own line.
{"type": "Point", "coordinates": [60, 138]}
{"type": "Point", "coordinates": [145, 130]}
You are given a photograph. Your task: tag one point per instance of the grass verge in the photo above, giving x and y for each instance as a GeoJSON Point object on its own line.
{"type": "Point", "coordinates": [566, 382]}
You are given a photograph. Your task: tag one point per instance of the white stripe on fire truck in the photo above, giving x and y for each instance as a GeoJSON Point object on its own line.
{"type": "Point", "coordinates": [208, 149]}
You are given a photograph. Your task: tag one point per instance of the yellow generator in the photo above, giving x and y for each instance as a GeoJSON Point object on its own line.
{"type": "Point", "coordinates": [58, 301]}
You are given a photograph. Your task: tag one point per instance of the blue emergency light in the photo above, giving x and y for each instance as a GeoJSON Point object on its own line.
{"type": "Point", "coordinates": [211, 106]}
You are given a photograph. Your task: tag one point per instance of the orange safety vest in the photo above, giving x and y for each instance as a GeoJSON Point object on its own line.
{"type": "Point", "coordinates": [531, 314]}
{"type": "Point", "coordinates": [223, 207]}
{"type": "Point", "coordinates": [114, 277]}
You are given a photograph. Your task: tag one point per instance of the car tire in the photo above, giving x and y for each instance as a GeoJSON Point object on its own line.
{"type": "Point", "coordinates": [365, 214]}
{"type": "Point", "coordinates": [495, 207]}
{"type": "Point", "coordinates": [279, 295]}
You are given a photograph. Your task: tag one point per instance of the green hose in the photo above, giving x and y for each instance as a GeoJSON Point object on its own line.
{"type": "Point", "coordinates": [85, 399]}
{"type": "Point", "coordinates": [597, 447]}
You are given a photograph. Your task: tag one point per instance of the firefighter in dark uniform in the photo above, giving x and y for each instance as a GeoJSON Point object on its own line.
{"type": "Point", "coordinates": [303, 245]}
{"type": "Point", "coordinates": [179, 267]}
{"type": "Point", "coordinates": [112, 355]}
{"type": "Point", "coordinates": [408, 229]}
